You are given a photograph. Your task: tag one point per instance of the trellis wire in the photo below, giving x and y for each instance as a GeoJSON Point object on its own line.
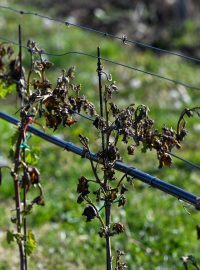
{"type": "Point", "coordinates": [188, 162]}
{"type": "Point", "coordinates": [191, 164]}
{"type": "Point", "coordinates": [119, 166]}
{"type": "Point", "coordinates": [109, 61]}
{"type": "Point", "coordinates": [124, 39]}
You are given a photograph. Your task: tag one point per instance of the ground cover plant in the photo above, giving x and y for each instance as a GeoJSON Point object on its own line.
{"type": "Point", "coordinates": [137, 252]}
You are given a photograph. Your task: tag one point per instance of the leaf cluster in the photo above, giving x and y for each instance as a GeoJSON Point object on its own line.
{"type": "Point", "coordinates": [57, 104]}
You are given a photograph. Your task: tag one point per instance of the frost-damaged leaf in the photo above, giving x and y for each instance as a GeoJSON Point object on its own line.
{"type": "Point", "coordinates": [118, 228]}
{"type": "Point", "coordinates": [39, 200]}
{"type": "Point", "coordinates": [71, 72]}
{"type": "Point", "coordinates": [10, 236]}
{"type": "Point", "coordinates": [31, 243]}
{"type": "Point", "coordinates": [90, 213]}
{"type": "Point", "coordinates": [34, 175]}
{"type": "Point", "coordinates": [83, 186]}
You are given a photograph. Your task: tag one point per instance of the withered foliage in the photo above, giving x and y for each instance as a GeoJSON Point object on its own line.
{"type": "Point", "coordinates": [134, 127]}
{"type": "Point", "coordinates": [119, 264]}
{"type": "Point", "coordinates": [9, 67]}
{"type": "Point", "coordinates": [58, 104]}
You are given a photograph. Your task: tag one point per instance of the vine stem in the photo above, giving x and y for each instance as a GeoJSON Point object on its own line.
{"type": "Point", "coordinates": [108, 242]}
{"type": "Point", "coordinates": [23, 153]}
{"type": "Point", "coordinates": [17, 197]}
{"type": "Point", "coordinates": [24, 217]}
{"type": "Point", "coordinates": [24, 124]}
{"type": "Point", "coordinates": [15, 170]}
{"type": "Point", "coordinates": [99, 71]}
{"type": "Point", "coordinates": [107, 204]}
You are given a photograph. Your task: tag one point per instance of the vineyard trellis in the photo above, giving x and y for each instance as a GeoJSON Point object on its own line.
{"type": "Point", "coordinates": [189, 163]}
{"type": "Point", "coordinates": [124, 38]}
{"type": "Point", "coordinates": [133, 172]}
{"type": "Point", "coordinates": [109, 61]}
{"type": "Point", "coordinates": [127, 170]}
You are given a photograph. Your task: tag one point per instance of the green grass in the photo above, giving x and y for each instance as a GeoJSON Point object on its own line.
{"type": "Point", "coordinates": [159, 230]}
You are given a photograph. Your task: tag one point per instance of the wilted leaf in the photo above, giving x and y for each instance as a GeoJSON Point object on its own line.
{"type": "Point", "coordinates": [118, 228]}
{"type": "Point", "coordinates": [165, 160]}
{"type": "Point", "coordinates": [80, 198]}
{"type": "Point", "coordinates": [13, 220]}
{"type": "Point", "coordinates": [69, 122]}
{"type": "Point", "coordinates": [39, 200]}
{"type": "Point", "coordinates": [131, 149]}
{"type": "Point", "coordinates": [34, 175]}
{"type": "Point", "coordinates": [113, 195]}
{"type": "Point", "coordinates": [71, 73]}
{"type": "Point", "coordinates": [83, 186]}
{"type": "Point", "coordinates": [90, 213]}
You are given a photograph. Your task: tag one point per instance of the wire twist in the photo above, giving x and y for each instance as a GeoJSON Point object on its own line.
{"type": "Point", "coordinates": [123, 39]}
{"type": "Point", "coordinates": [109, 61]}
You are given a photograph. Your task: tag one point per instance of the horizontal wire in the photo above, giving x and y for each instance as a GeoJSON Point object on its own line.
{"type": "Point", "coordinates": [109, 61]}
{"type": "Point", "coordinates": [119, 166]}
{"type": "Point", "coordinates": [190, 163]}
{"type": "Point", "coordinates": [82, 115]}
{"type": "Point", "coordinates": [124, 39]}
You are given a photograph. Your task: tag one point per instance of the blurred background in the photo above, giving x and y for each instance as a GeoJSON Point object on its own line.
{"type": "Point", "coordinates": [159, 229]}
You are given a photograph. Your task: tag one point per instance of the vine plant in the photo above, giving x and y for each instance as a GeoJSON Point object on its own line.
{"type": "Point", "coordinates": [57, 106]}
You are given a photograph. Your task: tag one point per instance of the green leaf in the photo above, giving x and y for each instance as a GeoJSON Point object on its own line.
{"type": "Point", "coordinates": [10, 237]}
{"type": "Point", "coordinates": [5, 90]}
{"type": "Point", "coordinates": [32, 156]}
{"type": "Point", "coordinates": [31, 243]}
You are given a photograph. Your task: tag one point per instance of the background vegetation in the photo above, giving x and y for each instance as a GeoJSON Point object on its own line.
{"type": "Point", "coordinates": [159, 230]}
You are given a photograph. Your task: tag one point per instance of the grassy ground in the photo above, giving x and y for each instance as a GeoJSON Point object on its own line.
{"type": "Point", "coordinates": [159, 229]}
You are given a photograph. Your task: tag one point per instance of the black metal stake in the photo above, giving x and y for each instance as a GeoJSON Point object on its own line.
{"type": "Point", "coordinates": [107, 205]}
{"type": "Point", "coordinates": [99, 71]}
